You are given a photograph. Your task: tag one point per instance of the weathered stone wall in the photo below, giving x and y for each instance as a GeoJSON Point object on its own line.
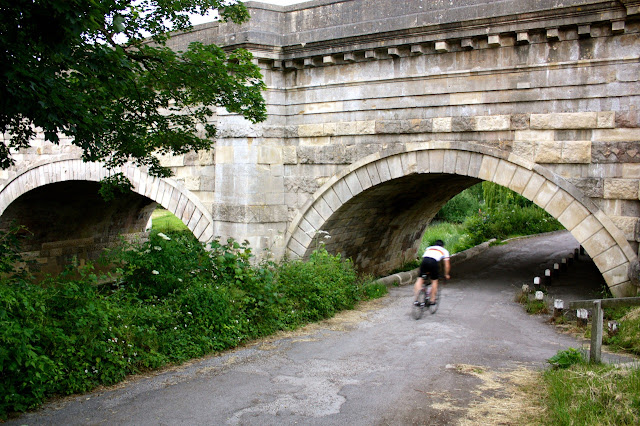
{"type": "Point", "coordinates": [380, 111]}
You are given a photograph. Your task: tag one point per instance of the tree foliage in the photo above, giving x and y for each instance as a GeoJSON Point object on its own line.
{"type": "Point", "coordinates": [100, 72]}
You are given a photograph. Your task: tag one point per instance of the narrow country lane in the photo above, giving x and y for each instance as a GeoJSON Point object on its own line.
{"type": "Point", "coordinates": [372, 366]}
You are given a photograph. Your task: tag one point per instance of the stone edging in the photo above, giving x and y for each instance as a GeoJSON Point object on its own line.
{"type": "Point", "coordinates": [409, 277]}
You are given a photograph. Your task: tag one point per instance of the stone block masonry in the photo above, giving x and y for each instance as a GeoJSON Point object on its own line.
{"type": "Point", "coordinates": [381, 111]}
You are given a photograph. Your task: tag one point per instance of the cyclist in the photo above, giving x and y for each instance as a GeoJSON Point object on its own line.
{"type": "Point", "coordinates": [431, 265]}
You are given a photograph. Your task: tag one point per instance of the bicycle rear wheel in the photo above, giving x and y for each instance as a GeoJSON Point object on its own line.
{"type": "Point", "coordinates": [417, 310]}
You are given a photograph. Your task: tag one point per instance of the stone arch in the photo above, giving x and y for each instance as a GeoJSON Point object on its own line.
{"type": "Point", "coordinates": [166, 192]}
{"type": "Point", "coordinates": [591, 227]}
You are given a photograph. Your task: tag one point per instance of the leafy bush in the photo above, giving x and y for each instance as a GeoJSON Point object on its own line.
{"type": "Point", "coordinates": [171, 300]}
{"type": "Point", "coordinates": [160, 266]}
{"type": "Point", "coordinates": [318, 288]}
{"type": "Point", "coordinates": [566, 358]}
{"type": "Point", "coordinates": [10, 256]}
{"type": "Point", "coordinates": [449, 233]}
{"type": "Point", "coordinates": [496, 196]}
{"type": "Point", "coordinates": [459, 207]}
{"type": "Point", "coordinates": [502, 223]}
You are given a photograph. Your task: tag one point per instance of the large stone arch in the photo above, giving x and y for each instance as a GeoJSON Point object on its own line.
{"type": "Point", "coordinates": [593, 229]}
{"type": "Point", "coordinates": [166, 192]}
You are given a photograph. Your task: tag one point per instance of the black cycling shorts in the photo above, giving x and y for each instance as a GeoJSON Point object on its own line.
{"type": "Point", "coordinates": [430, 266]}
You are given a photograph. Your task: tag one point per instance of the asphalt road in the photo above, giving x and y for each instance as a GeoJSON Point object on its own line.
{"type": "Point", "coordinates": [372, 366]}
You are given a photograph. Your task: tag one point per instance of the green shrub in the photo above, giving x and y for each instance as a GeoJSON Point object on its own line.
{"type": "Point", "coordinates": [459, 207]}
{"type": "Point", "coordinates": [502, 223]}
{"type": "Point", "coordinates": [69, 334]}
{"type": "Point", "coordinates": [10, 257]}
{"type": "Point", "coordinates": [25, 370]}
{"type": "Point", "coordinates": [317, 289]}
{"type": "Point", "coordinates": [450, 233]}
{"type": "Point", "coordinates": [162, 265]}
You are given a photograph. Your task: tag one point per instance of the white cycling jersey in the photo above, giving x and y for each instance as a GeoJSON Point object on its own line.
{"type": "Point", "coordinates": [436, 252]}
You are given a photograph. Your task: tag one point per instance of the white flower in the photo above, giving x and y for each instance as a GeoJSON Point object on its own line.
{"type": "Point", "coordinates": [154, 272]}
{"type": "Point", "coordinates": [163, 236]}
{"type": "Point", "coordinates": [157, 248]}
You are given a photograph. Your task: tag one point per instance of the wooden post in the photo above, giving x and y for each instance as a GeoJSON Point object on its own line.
{"type": "Point", "coordinates": [595, 352]}
{"type": "Point", "coordinates": [564, 265]}
{"type": "Point", "coordinates": [576, 254]}
{"type": "Point", "coordinates": [556, 270]}
{"type": "Point", "coordinates": [536, 283]}
{"type": "Point", "coordinates": [547, 277]}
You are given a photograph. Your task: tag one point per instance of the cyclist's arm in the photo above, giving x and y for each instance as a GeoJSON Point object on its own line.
{"type": "Point", "coordinates": [447, 268]}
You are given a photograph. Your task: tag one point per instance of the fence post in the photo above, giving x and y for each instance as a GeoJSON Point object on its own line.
{"type": "Point", "coordinates": [595, 354]}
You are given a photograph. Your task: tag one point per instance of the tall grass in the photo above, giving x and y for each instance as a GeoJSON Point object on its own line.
{"type": "Point", "coordinates": [450, 233]}
{"type": "Point", "coordinates": [592, 395]}
{"type": "Point", "coordinates": [164, 221]}
{"type": "Point", "coordinates": [628, 336]}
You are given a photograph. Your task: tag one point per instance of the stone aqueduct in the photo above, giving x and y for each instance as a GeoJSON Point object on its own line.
{"type": "Point", "coordinates": [379, 112]}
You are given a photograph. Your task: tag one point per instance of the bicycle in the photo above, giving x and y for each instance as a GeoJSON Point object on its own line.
{"type": "Point", "coordinates": [423, 297]}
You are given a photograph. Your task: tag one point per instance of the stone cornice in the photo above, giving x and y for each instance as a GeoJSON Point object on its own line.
{"type": "Point", "coordinates": [328, 32]}
{"type": "Point", "coordinates": [633, 6]}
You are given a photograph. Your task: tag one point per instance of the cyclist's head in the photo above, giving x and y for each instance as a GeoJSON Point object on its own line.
{"type": "Point", "coordinates": [439, 243]}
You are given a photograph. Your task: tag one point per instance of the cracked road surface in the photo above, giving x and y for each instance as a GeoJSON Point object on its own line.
{"type": "Point", "coordinates": [371, 366]}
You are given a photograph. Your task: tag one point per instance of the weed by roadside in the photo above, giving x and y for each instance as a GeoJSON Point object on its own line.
{"type": "Point", "coordinates": [531, 304]}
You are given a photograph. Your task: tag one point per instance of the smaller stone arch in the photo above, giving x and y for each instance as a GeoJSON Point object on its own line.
{"type": "Point", "coordinates": [166, 192]}
{"type": "Point", "coordinates": [591, 227]}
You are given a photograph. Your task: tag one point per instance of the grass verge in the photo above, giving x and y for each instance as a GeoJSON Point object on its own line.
{"type": "Point", "coordinates": [165, 221]}
{"type": "Point", "coordinates": [586, 394]}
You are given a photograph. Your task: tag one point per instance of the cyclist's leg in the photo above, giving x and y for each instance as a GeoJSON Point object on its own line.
{"type": "Point", "coordinates": [431, 265]}
{"type": "Point", "coordinates": [417, 287]}
{"type": "Point", "coordinates": [434, 291]}
{"type": "Point", "coordinates": [420, 281]}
